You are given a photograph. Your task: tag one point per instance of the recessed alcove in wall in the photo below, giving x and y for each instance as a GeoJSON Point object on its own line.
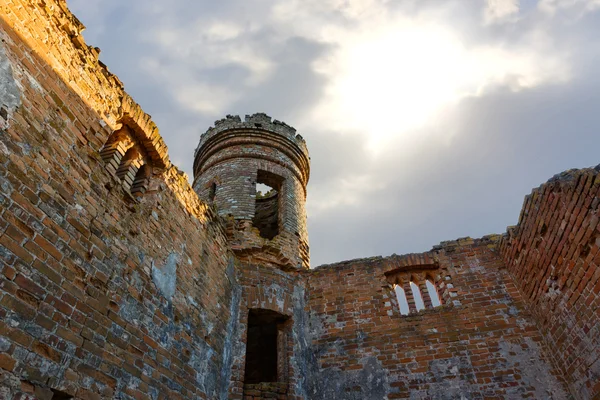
{"type": "Point", "coordinates": [212, 192]}
{"type": "Point", "coordinates": [127, 159]}
{"type": "Point", "coordinates": [58, 395]}
{"type": "Point", "coordinates": [267, 206]}
{"type": "Point", "coordinates": [265, 355]}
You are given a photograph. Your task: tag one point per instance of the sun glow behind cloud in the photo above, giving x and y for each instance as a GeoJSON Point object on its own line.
{"type": "Point", "coordinates": [391, 80]}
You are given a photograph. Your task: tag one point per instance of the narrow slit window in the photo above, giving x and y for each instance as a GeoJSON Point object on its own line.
{"type": "Point", "coordinates": [402, 302]}
{"type": "Point", "coordinates": [212, 193]}
{"type": "Point", "coordinates": [419, 304]}
{"type": "Point", "coordinates": [433, 294]}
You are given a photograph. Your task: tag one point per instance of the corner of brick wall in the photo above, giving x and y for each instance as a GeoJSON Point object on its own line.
{"type": "Point", "coordinates": [554, 256]}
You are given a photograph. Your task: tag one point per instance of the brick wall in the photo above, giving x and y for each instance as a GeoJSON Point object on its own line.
{"type": "Point", "coordinates": [268, 288]}
{"type": "Point", "coordinates": [554, 256]}
{"type": "Point", "coordinates": [481, 343]}
{"type": "Point", "coordinates": [100, 293]}
{"type": "Point", "coordinates": [118, 283]}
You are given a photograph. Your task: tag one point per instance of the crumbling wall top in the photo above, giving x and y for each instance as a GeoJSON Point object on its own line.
{"type": "Point", "coordinates": [258, 121]}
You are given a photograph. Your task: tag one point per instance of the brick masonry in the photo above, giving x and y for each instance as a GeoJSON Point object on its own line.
{"type": "Point", "coordinates": [120, 280]}
{"type": "Point", "coordinates": [87, 298]}
{"type": "Point", "coordinates": [231, 158]}
{"type": "Point", "coordinates": [554, 256]}
{"type": "Point", "coordinates": [479, 344]}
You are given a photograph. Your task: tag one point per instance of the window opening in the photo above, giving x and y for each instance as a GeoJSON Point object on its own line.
{"type": "Point", "coordinates": [266, 211]}
{"type": "Point", "coordinates": [141, 180]}
{"type": "Point", "coordinates": [263, 190]}
{"type": "Point", "coordinates": [212, 192]}
{"type": "Point", "coordinates": [402, 302]}
{"type": "Point", "coordinates": [264, 327]}
{"type": "Point", "coordinates": [419, 304]}
{"type": "Point", "coordinates": [433, 294]}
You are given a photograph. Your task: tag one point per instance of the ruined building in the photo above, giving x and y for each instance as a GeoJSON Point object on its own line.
{"type": "Point", "coordinates": [121, 280]}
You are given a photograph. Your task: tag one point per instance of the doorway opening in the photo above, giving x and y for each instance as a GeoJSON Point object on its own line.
{"type": "Point", "coordinates": [266, 347]}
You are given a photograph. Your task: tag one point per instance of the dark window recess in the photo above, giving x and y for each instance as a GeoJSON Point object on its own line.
{"type": "Point", "coordinates": [58, 395]}
{"type": "Point", "coordinates": [266, 212]}
{"type": "Point", "coordinates": [141, 180]}
{"type": "Point", "coordinates": [261, 346]}
{"type": "Point", "coordinates": [213, 192]}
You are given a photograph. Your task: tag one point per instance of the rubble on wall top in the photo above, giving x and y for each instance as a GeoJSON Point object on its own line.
{"type": "Point", "coordinates": [255, 121]}
{"type": "Point", "coordinates": [491, 239]}
{"type": "Point", "coordinates": [571, 174]}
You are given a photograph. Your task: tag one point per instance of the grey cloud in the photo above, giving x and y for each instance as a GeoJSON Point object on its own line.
{"type": "Point", "coordinates": [293, 88]}
{"type": "Point", "coordinates": [508, 144]}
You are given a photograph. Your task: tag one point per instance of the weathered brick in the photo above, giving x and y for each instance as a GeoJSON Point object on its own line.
{"type": "Point", "coordinates": [91, 251]}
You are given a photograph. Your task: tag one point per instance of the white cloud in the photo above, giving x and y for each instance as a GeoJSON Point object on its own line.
{"type": "Point", "coordinates": [349, 191]}
{"type": "Point", "coordinates": [394, 76]}
{"type": "Point", "coordinates": [190, 92]}
{"type": "Point", "coordinates": [579, 7]}
{"type": "Point", "coordinates": [501, 11]}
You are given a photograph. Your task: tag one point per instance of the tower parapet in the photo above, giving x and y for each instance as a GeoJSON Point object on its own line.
{"type": "Point", "coordinates": [258, 120]}
{"type": "Point", "coordinates": [235, 161]}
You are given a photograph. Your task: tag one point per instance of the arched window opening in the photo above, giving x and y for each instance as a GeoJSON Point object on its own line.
{"type": "Point", "coordinates": [115, 148]}
{"type": "Point", "coordinates": [419, 304]}
{"type": "Point", "coordinates": [433, 294]}
{"type": "Point", "coordinates": [141, 180]}
{"type": "Point", "coordinates": [402, 302]}
{"type": "Point", "coordinates": [130, 163]}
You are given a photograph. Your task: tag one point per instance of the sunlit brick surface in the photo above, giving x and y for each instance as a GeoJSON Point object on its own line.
{"type": "Point", "coordinates": [118, 280]}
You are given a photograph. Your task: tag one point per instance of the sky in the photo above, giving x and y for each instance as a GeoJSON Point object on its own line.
{"type": "Point", "coordinates": [425, 120]}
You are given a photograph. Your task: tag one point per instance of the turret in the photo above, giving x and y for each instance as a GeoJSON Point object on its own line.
{"type": "Point", "coordinates": [255, 173]}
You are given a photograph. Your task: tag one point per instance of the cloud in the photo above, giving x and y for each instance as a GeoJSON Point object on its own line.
{"type": "Point", "coordinates": [577, 7]}
{"type": "Point", "coordinates": [498, 11]}
{"type": "Point", "coordinates": [395, 72]}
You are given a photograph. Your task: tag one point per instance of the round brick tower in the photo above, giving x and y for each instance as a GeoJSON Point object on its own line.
{"type": "Point", "coordinates": [255, 172]}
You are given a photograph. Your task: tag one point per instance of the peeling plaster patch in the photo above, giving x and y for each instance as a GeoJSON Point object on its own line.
{"type": "Point", "coordinates": [9, 385]}
{"type": "Point", "coordinates": [447, 383]}
{"type": "Point", "coordinates": [165, 278]}
{"type": "Point", "coordinates": [231, 346]}
{"type": "Point", "coordinates": [10, 96]}
{"type": "Point", "coordinates": [369, 383]}
{"type": "Point", "coordinates": [304, 359]}
{"type": "Point", "coordinates": [534, 371]}
{"type": "Point", "coordinates": [33, 82]}
{"type": "Point", "coordinates": [201, 360]}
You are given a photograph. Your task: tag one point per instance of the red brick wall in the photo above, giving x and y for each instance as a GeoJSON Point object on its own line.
{"type": "Point", "coordinates": [100, 294]}
{"type": "Point", "coordinates": [482, 343]}
{"type": "Point", "coordinates": [103, 293]}
{"type": "Point", "coordinates": [554, 256]}
{"type": "Point", "coordinates": [272, 289]}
